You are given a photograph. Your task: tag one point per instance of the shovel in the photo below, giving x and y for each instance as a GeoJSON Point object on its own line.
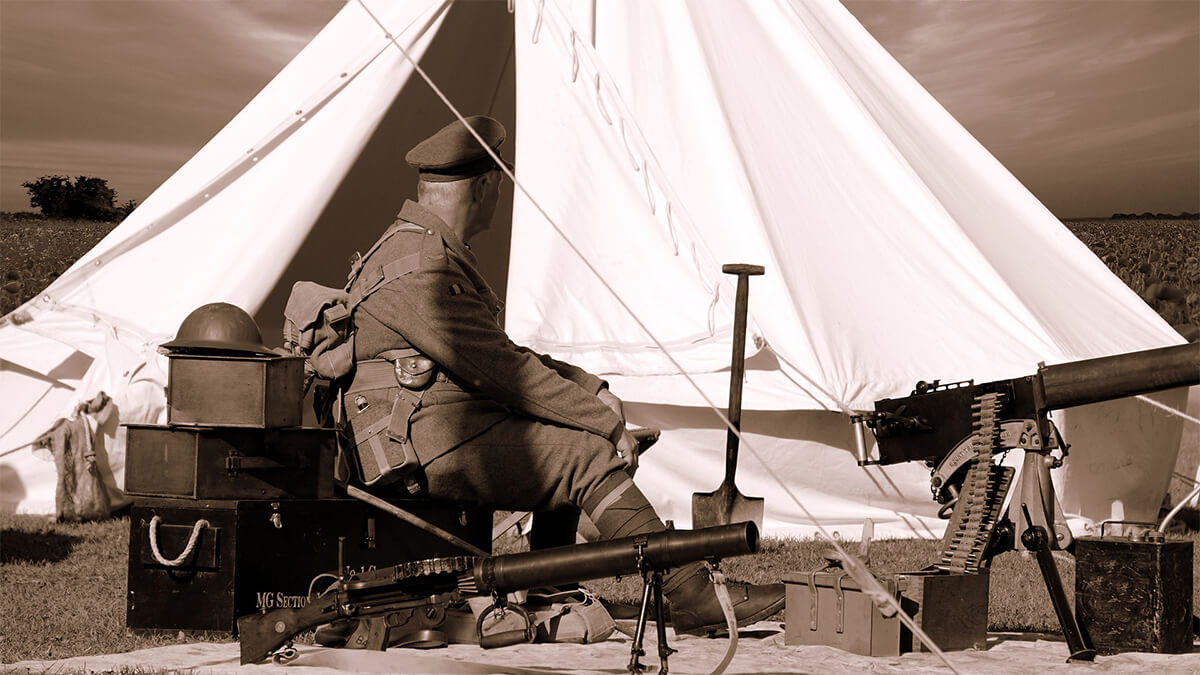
{"type": "Point", "coordinates": [726, 505]}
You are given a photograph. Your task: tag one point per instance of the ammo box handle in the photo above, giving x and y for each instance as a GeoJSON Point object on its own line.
{"type": "Point", "coordinates": [1123, 522]}
{"type": "Point", "coordinates": [187, 550]}
{"type": "Point", "coordinates": [236, 463]}
{"type": "Point", "coordinates": [812, 594]}
{"type": "Point", "coordinates": [838, 591]}
{"type": "Point", "coordinates": [841, 600]}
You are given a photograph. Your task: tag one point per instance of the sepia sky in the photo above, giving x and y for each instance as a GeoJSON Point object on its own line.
{"type": "Point", "coordinates": [1093, 104]}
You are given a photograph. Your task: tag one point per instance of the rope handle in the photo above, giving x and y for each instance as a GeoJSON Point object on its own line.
{"type": "Point", "coordinates": [187, 551]}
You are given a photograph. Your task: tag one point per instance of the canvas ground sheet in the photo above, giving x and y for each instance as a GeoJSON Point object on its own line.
{"type": "Point", "coordinates": [761, 649]}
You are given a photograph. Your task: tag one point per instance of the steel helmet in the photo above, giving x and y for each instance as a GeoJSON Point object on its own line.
{"type": "Point", "coordinates": [219, 326]}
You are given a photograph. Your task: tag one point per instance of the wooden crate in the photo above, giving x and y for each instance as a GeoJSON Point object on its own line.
{"type": "Point", "coordinates": [1134, 596]}
{"type": "Point", "coordinates": [235, 391]}
{"type": "Point", "coordinates": [262, 554]}
{"type": "Point", "coordinates": [229, 462]}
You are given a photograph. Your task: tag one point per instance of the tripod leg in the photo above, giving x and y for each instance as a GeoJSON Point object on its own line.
{"type": "Point", "coordinates": [664, 650]}
{"type": "Point", "coordinates": [636, 651]}
{"type": "Point", "coordinates": [1035, 538]}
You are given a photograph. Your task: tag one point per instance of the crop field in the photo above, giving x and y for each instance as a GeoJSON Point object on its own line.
{"type": "Point", "coordinates": [1158, 258]}
{"type": "Point", "coordinates": [35, 251]}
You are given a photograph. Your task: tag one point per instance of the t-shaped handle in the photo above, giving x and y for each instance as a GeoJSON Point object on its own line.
{"type": "Point", "coordinates": [742, 268]}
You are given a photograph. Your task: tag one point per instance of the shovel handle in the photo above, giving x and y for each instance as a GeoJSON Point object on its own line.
{"type": "Point", "coordinates": [738, 366]}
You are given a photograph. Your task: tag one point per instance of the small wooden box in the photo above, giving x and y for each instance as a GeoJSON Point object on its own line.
{"type": "Point", "coordinates": [235, 391]}
{"type": "Point", "coordinates": [1134, 596]}
{"type": "Point", "coordinates": [951, 608]}
{"type": "Point", "coordinates": [229, 462]}
{"type": "Point", "coordinates": [261, 554]}
{"type": "Point", "coordinates": [829, 608]}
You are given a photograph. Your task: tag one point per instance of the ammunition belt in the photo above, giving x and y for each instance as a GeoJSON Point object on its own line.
{"type": "Point", "coordinates": [982, 494]}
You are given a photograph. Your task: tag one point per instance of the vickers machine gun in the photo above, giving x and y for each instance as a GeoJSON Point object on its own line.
{"type": "Point", "coordinates": [428, 587]}
{"type": "Point", "coordinates": [956, 429]}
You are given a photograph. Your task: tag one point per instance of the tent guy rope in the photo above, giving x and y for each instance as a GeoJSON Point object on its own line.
{"type": "Point", "coordinates": [857, 569]}
{"type": "Point", "coordinates": [1178, 413]}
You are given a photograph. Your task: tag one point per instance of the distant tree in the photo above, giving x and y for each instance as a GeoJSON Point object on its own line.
{"type": "Point", "coordinates": [87, 197]}
{"type": "Point", "coordinates": [127, 208]}
{"type": "Point", "coordinates": [50, 194]}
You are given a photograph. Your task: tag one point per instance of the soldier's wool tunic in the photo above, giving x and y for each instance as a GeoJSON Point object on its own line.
{"type": "Point", "coordinates": [490, 393]}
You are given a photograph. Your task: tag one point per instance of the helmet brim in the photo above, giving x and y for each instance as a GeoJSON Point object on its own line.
{"type": "Point", "coordinates": [201, 346]}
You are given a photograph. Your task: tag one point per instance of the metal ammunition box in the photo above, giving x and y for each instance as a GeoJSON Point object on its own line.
{"type": "Point", "coordinates": [951, 608]}
{"type": "Point", "coordinates": [829, 608]}
{"type": "Point", "coordinates": [229, 462]}
{"type": "Point", "coordinates": [235, 391]}
{"type": "Point", "coordinates": [262, 554]}
{"type": "Point", "coordinates": [1134, 596]}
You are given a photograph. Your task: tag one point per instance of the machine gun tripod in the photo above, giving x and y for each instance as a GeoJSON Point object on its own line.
{"type": "Point", "coordinates": [956, 429]}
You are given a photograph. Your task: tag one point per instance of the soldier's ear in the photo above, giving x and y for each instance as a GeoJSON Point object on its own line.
{"type": "Point", "coordinates": [479, 186]}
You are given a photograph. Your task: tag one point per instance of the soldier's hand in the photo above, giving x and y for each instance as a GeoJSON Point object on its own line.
{"type": "Point", "coordinates": [627, 450]}
{"type": "Point", "coordinates": [610, 400]}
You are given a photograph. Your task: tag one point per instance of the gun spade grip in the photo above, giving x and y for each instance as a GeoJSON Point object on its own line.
{"type": "Point", "coordinates": [742, 268]}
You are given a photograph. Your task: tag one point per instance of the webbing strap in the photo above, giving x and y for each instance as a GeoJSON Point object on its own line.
{"type": "Point", "coordinates": [378, 276]}
{"type": "Point", "coordinates": [373, 430]}
{"type": "Point", "coordinates": [396, 228]}
{"type": "Point", "coordinates": [373, 374]}
{"type": "Point", "coordinates": [381, 458]}
{"type": "Point", "coordinates": [395, 354]}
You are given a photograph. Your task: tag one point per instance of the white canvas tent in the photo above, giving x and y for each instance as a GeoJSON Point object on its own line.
{"type": "Point", "coordinates": [654, 142]}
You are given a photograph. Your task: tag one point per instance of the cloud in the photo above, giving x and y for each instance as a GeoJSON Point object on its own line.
{"type": "Point", "coordinates": [988, 60]}
{"type": "Point", "coordinates": [134, 87]}
{"type": "Point", "coordinates": [143, 70]}
{"type": "Point", "coordinates": [1063, 84]}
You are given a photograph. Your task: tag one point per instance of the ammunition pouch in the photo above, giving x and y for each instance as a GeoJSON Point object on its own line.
{"type": "Point", "coordinates": [379, 406]}
{"type": "Point", "coordinates": [414, 370]}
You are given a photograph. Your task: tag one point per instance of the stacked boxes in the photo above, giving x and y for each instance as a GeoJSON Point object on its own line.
{"type": "Point", "coordinates": [235, 507]}
{"type": "Point", "coordinates": [828, 607]}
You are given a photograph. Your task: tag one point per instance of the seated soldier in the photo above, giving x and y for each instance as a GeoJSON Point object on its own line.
{"type": "Point", "coordinates": [479, 420]}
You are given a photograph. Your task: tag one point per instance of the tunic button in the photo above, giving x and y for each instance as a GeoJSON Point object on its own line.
{"type": "Point", "coordinates": [402, 439]}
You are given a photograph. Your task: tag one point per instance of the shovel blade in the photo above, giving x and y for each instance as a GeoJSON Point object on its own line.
{"type": "Point", "coordinates": [725, 506]}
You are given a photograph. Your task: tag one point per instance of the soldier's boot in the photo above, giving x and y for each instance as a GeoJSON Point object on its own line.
{"type": "Point", "coordinates": [619, 509]}
{"type": "Point", "coordinates": [695, 609]}
{"type": "Point", "coordinates": [551, 529]}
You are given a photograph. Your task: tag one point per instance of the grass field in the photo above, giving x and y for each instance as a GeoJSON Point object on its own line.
{"type": "Point", "coordinates": [65, 585]}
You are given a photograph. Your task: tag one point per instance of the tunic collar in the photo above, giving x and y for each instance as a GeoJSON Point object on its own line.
{"type": "Point", "coordinates": [419, 215]}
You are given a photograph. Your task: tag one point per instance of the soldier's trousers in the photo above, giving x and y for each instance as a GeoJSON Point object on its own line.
{"type": "Point", "coordinates": [521, 464]}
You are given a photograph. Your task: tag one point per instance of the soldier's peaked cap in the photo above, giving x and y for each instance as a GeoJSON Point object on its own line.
{"type": "Point", "coordinates": [453, 153]}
